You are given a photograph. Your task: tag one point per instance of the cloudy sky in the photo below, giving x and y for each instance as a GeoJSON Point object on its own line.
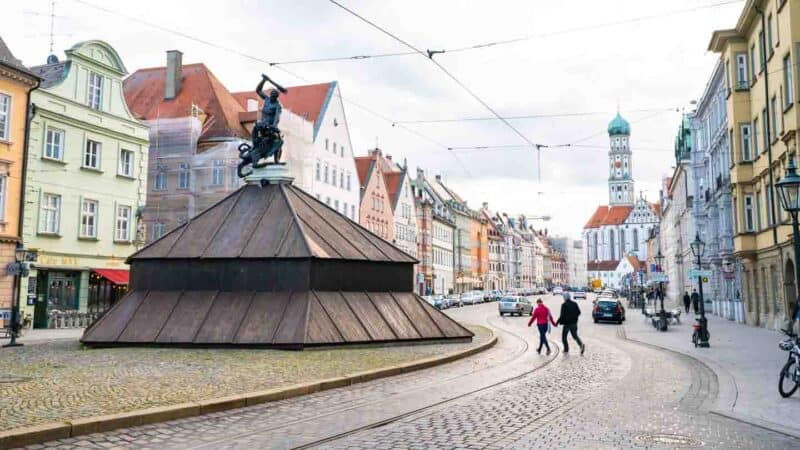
{"type": "Point", "coordinates": [585, 59]}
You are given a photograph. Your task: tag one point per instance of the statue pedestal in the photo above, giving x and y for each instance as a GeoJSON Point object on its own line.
{"type": "Point", "coordinates": [271, 174]}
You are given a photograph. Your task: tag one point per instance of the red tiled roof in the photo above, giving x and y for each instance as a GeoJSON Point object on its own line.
{"type": "Point", "coordinates": [363, 163]}
{"type": "Point", "coordinates": [393, 180]}
{"type": "Point", "coordinates": [635, 263]}
{"type": "Point", "coordinates": [305, 101]}
{"type": "Point", "coordinates": [656, 209]}
{"type": "Point", "coordinates": [144, 93]}
{"type": "Point", "coordinates": [604, 215]}
{"type": "Point", "coordinates": [602, 266]}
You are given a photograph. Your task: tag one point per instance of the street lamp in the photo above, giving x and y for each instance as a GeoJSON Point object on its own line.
{"type": "Point", "coordinates": [789, 194]}
{"type": "Point", "coordinates": [662, 318]}
{"type": "Point", "coordinates": [698, 247]}
{"type": "Point", "coordinates": [19, 268]}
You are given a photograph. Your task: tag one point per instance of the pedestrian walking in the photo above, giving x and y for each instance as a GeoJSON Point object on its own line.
{"type": "Point", "coordinates": [569, 319]}
{"type": "Point", "coordinates": [686, 301]}
{"type": "Point", "coordinates": [695, 301]}
{"type": "Point", "coordinates": [543, 319]}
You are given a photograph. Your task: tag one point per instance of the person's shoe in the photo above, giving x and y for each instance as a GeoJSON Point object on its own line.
{"type": "Point", "coordinates": [539, 351]}
{"type": "Point", "coordinates": [565, 352]}
{"type": "Point", "coordinates": [548, 352]}
{"type": "Point", "coordinates": [583, 348]}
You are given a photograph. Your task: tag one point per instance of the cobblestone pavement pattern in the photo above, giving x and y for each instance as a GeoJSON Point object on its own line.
{"type": "Point", "coordinates": [619, 395]}
{"type": "Point", "coordinates": [61, 380]}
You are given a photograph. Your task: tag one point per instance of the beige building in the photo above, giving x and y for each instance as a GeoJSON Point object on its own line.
{"type": "Point", "coordinates": [760, 59]}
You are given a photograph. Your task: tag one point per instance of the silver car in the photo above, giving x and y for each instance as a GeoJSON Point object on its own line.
{"type": "Point", "coordinates": [515, 305]}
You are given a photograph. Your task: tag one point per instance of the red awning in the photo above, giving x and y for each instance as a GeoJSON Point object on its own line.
{"type": "Point", "coordinates": [116, 276]}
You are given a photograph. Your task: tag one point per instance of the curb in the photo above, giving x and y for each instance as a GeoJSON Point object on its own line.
{"type": "Point", "coordinates": [20, 437]}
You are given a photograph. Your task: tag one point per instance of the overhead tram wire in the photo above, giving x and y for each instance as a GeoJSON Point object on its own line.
{"type": "Point", "coordinates": [283, 69]}
{"type": "Point", "coordinates": [452, 77]}
{"type": "Point", "coordinates": [511, 40]}
{"type": "Point", "coordinates": [529, 116]}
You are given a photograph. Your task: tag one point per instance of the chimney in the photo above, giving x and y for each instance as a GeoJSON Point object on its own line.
{"type": "Point", "coordinates": [389, 157]}
{"type": "Point", "coordinates": [486, 205]}
{"type": "Point", "coordinates": [172, 84]}
{"type": "Point", "coordinates": [439, 178]}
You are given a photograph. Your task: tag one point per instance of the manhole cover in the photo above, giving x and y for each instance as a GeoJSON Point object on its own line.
{"type": "Point", "coordinates": [12, 379]}
{"type": "Point", "coordinates": [673, 440]}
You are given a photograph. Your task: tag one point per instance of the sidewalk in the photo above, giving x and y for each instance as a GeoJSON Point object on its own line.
{"type": "Point", "coordinates": [747, 362]}
{"type": "Point", "coordinates": [38, 336]}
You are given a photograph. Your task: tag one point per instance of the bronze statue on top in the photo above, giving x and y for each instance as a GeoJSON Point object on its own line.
{"type": "Point", "coordinates": [267, 139]}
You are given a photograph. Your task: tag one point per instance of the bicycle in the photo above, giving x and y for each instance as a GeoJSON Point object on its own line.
{"type": "Point", "coordinates": [791, 370]}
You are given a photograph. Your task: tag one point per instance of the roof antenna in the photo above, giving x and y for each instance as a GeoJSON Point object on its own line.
{"type": "Point", "coordinates": [52, 22]}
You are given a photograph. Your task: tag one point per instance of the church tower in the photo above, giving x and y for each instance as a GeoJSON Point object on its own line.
{"type": "Point", "coordinates": [620, 178]}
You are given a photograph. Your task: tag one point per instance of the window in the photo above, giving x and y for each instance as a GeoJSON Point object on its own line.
{"type": "Point", "coordinates": [125, 163]}
{"type": "Point", "coordinates": [333, 176]}
{"type": "Point", "coordinates": [762, 51]}
{"type": "Point", "coordinates": [341, 179]}
{"type": "Point", "coordinates": [218, 173]}
{"type": "Point", "coordinates": [51, 213]}
{"type": "Point", "coordinates": [161, 181]}
{"type": "Point", "coordinates": [318, 171]}
{"type": "Point", "coordinates": [744, 129]}
{"type": "Point", "coordinates": [336, 205]}
{"type": "Point", "coordinates": [753, 62]}
{"type": "Point", "coordinates": [353, 212]}
{"type": "Point", "coordinates": [88, 219]}
{"type": "Point", "coordinates": [341, 151]}
{"type": "Point", "coordinates": [727, 76]}
{"type": "Point", "coordinates": [122, 230]}
{"type": "Point", "coordinates": [749, 218]}
{"type": "Point", "coordinates": [234, 176]}
{"type": "Point", "coordinates": [328, 201]}
{"type": "Point", "coordinates": [741, 71]}
{"type": "Point", "coordinates": [91, 156]}
{"type": "Point", "coordinates": [759, 225]}
{"type": "Point", "coordinates": [5, 119]}
{"type": "Point", "coordinates": [3, 190]}
{"type": "Point", "coordinates": [334, 148]}
{"type": "Point", "coordinates": [183, 176]}
{"type": "Point", "coordinates": [768, 204]}
{"type": "Point", "coordinates": [765, 138]}
{"type": "Point", "coordinates": [755, 136]}
{"type": "Point", "coordinates": [326, 143]}
{"type": "Point", "coordinates": [788, 81]}
{"type": "Point", "coordinates": [326, 178]}
{"type": "Point", "coordinates": [348, 181]}
{"type": "Point", "coordinates": [635, 240]}
{"type": "Point", "coordinates": [770, 35]}
{"type": "Point", "coordinates": [157, 230]}
{"type": "Point", "coordinates": [773, 112]}
{"type": "Point", "coordinates": [95, 94]}
{"type": "Point", "coordinates": [54, 144]}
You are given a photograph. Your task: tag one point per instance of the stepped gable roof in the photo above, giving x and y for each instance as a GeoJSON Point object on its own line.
{"type": "Point", "coordinates": [308, 101]}
{"type": "Point", "coordinates": [274, 221]}
{"type": "Point", "coordinates": [602, 266]}
{"type": "Point", "coordinates": [364, 166]}
{"type": "Point", "coordinates": [144, 93]}
{"type": "Point", "coordinates": [604, 215]}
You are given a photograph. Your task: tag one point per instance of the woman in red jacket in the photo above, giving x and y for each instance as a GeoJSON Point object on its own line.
{"type": "Point", "coordinates": [542, 315]}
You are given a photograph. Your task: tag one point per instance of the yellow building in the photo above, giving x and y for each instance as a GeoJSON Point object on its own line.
{"type": "Point", "coordinates": [16, 83]}
{"type": "Point", "coordinates": [760, 60]}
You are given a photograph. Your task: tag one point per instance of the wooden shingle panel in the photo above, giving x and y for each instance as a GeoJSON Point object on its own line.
{"type": "Point", "coordinates": [414, 311]}
{"type": "Point", "coordinates": [369, 316]}
{"type": "Point", "coordinates": [292, 329]}
{"type": "Point", "coordinates": [187, 317]}
{"type": "Point", "coordinates": [116, 319]}
{"type": "Point", "coordinates": [202, 230]}
{"type": "Point", "coordinates": [394, 316]}
{"type": "Point", "coordinates": [237, 229]}
{"type": "Point", "coordinates": [223, 320]}
{"type": "Point", "coordinates": [346, 322]}
{"type": "Point", "coordinates": [320, 329]}
{"type": "Point", "coordinates": [150, 317]}
{"type": "Point", "coordinates": [263, 318]}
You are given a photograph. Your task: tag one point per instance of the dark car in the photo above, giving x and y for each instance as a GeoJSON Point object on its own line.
{"type": "Point", "coordinates": [608, 309]}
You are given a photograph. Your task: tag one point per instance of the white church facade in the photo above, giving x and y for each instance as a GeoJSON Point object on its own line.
{"type": "Point", "coordinates": [616, 233]}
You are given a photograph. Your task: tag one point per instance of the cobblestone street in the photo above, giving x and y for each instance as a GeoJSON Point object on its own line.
{"type": "Point", "coordinates": [620, 394]}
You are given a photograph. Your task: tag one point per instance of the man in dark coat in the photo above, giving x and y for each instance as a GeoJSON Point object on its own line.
{"type": "Point", "coordinates": [569, 319]}
{"type": "Point", "coordinates": [686, 301]}
{"type": "Point", "coordinates": [695, 301]}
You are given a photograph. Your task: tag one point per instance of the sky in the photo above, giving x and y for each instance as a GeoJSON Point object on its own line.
{"type": "Point", "coordinates": [585, 60]}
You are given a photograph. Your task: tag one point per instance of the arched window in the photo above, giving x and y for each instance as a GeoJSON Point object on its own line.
{"type": "Point", "coordinates": [621, 243]}
{"type": "Point", "coordinates": [611, 244]}
{"type": "Point", "coordinates": [635, 240]}
{"type": "Point", "coordinates": [596, 248]}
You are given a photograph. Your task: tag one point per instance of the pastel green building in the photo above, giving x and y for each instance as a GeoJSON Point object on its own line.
{"type": "Point", "coordinates": [86, 182]}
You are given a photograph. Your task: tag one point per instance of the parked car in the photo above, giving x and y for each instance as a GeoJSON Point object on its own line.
{"type": "Point", "coordinates": [558, 290]}
{"type": "Point", "coordinates": [437, 301]}
{"type": "Point", "coordinates": [578, 294]}
{"type": "Point", "coordinates": [515, 305]}
{"type": "Point", "coordinates": [539, 290]}
{"type": "Point", "coordinates": [453, 300]}
{"type": "Point", "coordinates": [471, 298]}
{"type": "Point", "coordinates": [492, 296]}
{"type": "Point", "coordinates": [608, 309]}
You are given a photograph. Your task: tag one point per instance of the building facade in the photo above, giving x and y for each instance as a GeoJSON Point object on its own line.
{"type": "Point", "coordinates": [759, 56]}
{"type": "Point", "coordinates": [86, 184]}
{"type": "Point", "coordinates": [437, 230]}
{"type": "Point", "coordinates": [713, 210]}
{"type": "Point", "coordinates": [376, 205]}
{"type": "Point", "coordinates": [16, 84]}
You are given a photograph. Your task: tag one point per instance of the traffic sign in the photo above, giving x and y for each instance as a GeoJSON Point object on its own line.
{"type": "Point", "coordinates": [659, 277]}
{"type": "Point", "coordinates": [694, 273]}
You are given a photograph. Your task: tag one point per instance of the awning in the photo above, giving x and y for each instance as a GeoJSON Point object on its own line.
{"type": "Point", "coordinates": [116, 276]}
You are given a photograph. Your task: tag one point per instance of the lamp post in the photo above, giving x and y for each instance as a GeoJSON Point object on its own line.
{"type": "Point", "coordinates": [19, 268]}
{"type": "Point", "coordinates": [789, 194]}
{"type": "Point", "coordinates": [698, 247]}
{"type": "Point", "coordinates": [662, 318]}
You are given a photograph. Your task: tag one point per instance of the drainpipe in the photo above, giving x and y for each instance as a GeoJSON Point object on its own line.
{"type": "Point", "coordinates": [768, 126]}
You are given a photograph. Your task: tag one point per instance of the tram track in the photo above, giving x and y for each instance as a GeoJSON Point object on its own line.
{"type": "Point", "coordinates": [521, 351]}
